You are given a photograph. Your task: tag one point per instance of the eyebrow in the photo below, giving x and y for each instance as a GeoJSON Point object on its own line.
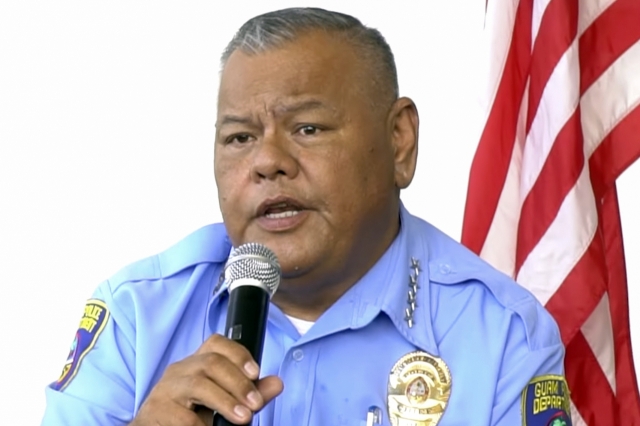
{"type": "Point", "coordinates": [306, 105]}
{"type": "Point", "coordinates": [234, 119]}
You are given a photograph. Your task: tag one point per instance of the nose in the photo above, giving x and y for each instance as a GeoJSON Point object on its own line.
{"type": "Point", "coordinates": [272, 158]}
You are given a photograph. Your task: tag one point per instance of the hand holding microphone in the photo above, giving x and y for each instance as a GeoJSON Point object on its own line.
{"type": "Point", "coordinates": [223, 374]}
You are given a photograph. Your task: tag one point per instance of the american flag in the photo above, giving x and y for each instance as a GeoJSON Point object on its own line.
{"type": "Point", "coordinates": [562, 123]}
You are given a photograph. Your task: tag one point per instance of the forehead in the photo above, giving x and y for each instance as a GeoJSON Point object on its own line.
{"type": "Point", "coordinates": [317, 64]}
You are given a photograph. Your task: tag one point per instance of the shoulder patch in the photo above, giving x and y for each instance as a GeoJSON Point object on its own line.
{"type": "Point", "coordinates": [546, 402]}
{"type": "Point", "coordinates": [93, 321]}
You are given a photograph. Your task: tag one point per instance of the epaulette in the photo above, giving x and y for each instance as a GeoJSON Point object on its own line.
{"type": "Point", "coordinates": [209, 244]}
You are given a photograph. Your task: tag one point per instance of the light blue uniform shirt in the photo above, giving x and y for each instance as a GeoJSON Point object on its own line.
{"type": "Point", "coordinates": [492, 334]}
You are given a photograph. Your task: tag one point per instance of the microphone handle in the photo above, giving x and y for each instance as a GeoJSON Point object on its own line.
{"type": "Point", "coordinates": [246, 324]}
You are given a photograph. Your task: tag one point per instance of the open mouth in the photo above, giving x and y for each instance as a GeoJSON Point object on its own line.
{"type": "Point", "coordinates": [280, 208]}
{"type": "Point", "coordinates": [281, 214]}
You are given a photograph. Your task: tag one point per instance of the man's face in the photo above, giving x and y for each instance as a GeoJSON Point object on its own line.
{"type": "Point", "coordinates": [303, 163]}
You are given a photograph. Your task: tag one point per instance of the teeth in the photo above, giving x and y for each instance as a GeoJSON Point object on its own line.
{"type": "Point", "coordinates": [282, 214]}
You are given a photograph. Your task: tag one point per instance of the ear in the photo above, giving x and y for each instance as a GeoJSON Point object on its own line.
{"type": "Point", "coordinates": [403, 124]}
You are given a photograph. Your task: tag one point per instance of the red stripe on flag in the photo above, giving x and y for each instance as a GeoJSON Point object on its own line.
{"type": "Point", "coordinates": [558, 175]}
{"type": "Point", "coordinates": [590, 390]}
{"type": "Point", "coordinates": [617, 151]}
{"type": "Point", "coordinates": [558, 29]}
{"type": "Point", "coordinates": [626, 385]}
{"type": "Point", "coordinates": [580, 292]}
{"type": "Point", "coordinates": [492, 158]}
{"type": "Point", "coordinates": [615, 30]}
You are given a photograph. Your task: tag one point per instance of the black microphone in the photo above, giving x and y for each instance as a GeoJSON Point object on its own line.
{"type": "Point", "coordinates": [252, 274]}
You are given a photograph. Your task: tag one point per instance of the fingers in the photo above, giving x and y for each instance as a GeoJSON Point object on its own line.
{"type": "Point", "coordinates": [226, 375]}
{"type": "Point", "coordinates": [226, 400]}
{"type": "Point", "coordinates": [221, 376]}
{"type": "Point", "coordinates": [234, 352]}
{"type": "Point", "coordinates": [230, 392]}
{"type": "Point", "coordinates": [270, 387]}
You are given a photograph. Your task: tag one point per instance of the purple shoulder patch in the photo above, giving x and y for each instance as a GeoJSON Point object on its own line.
{"type": "Point", "coordinates": [92, 323]}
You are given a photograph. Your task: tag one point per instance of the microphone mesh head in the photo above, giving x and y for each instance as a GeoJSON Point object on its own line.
{"type": "Point", "coordinates": [253, 260]}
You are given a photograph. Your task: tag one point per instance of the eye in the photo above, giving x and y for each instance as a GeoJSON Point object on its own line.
{"type": "Point", "coordinates": [239, 138]}
{"type": "Point", "coordinates": [308, 130]}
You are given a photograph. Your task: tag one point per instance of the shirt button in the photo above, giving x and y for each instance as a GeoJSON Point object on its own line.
{"type": "Point", "coordinates": [445, 269]}
{"type": "Point", "coordinates": [298, 354]}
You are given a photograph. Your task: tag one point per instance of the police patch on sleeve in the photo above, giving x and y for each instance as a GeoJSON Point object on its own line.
{"type": "Point", "coordinates": [546, 402]}
{"type": "Point", "coordinates": [92, 323]}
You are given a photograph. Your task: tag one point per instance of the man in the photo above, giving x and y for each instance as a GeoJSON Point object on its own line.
{"type": "Point", "coordinates": [378, 315]}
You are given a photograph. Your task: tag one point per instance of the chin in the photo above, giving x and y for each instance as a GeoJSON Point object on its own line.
{"type": "Point", "coordinates": [292, 262]}
{"type": "Point", "coordinates": [296, 251]}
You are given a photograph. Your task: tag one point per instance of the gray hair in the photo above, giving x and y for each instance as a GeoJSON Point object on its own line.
{"type": "Point", "coordinates": [273, 29]}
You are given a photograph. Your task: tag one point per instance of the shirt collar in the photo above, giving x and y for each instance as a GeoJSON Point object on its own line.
{"type": "Point", "coordinates": [385, 288]}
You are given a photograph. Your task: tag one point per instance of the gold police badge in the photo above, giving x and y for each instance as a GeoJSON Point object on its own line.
{"type": "Point", "coordinates": [418, 391]}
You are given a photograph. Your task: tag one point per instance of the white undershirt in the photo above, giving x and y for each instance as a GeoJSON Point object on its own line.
{"type": "Point", "coordinates": [301, 325]}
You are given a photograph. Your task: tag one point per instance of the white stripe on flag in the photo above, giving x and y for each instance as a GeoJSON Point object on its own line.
{"type": "Point", "coordinates": [611, 98]}
{"type": "Point", "coordinates": [598, 332]}
{"type": "Point", "coordinates": [563, 243]}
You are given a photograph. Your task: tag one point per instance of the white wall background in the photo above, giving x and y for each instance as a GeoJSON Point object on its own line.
{"type": "Point", "coordinates": [106, 139]}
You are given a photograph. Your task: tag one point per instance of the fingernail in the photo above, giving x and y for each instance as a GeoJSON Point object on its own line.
{"type": "Point", "coordinates": [252, 369]}
{"type": "Point", "coordinates": [241, 411]}
{"type": "Point", "coordinates": [255, 399]}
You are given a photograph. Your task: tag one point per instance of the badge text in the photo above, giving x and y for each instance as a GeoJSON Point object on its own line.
{"type": "Point", "coordinates": [91, 317]}
{"type": "Point", "coordinates": [548, 395]}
